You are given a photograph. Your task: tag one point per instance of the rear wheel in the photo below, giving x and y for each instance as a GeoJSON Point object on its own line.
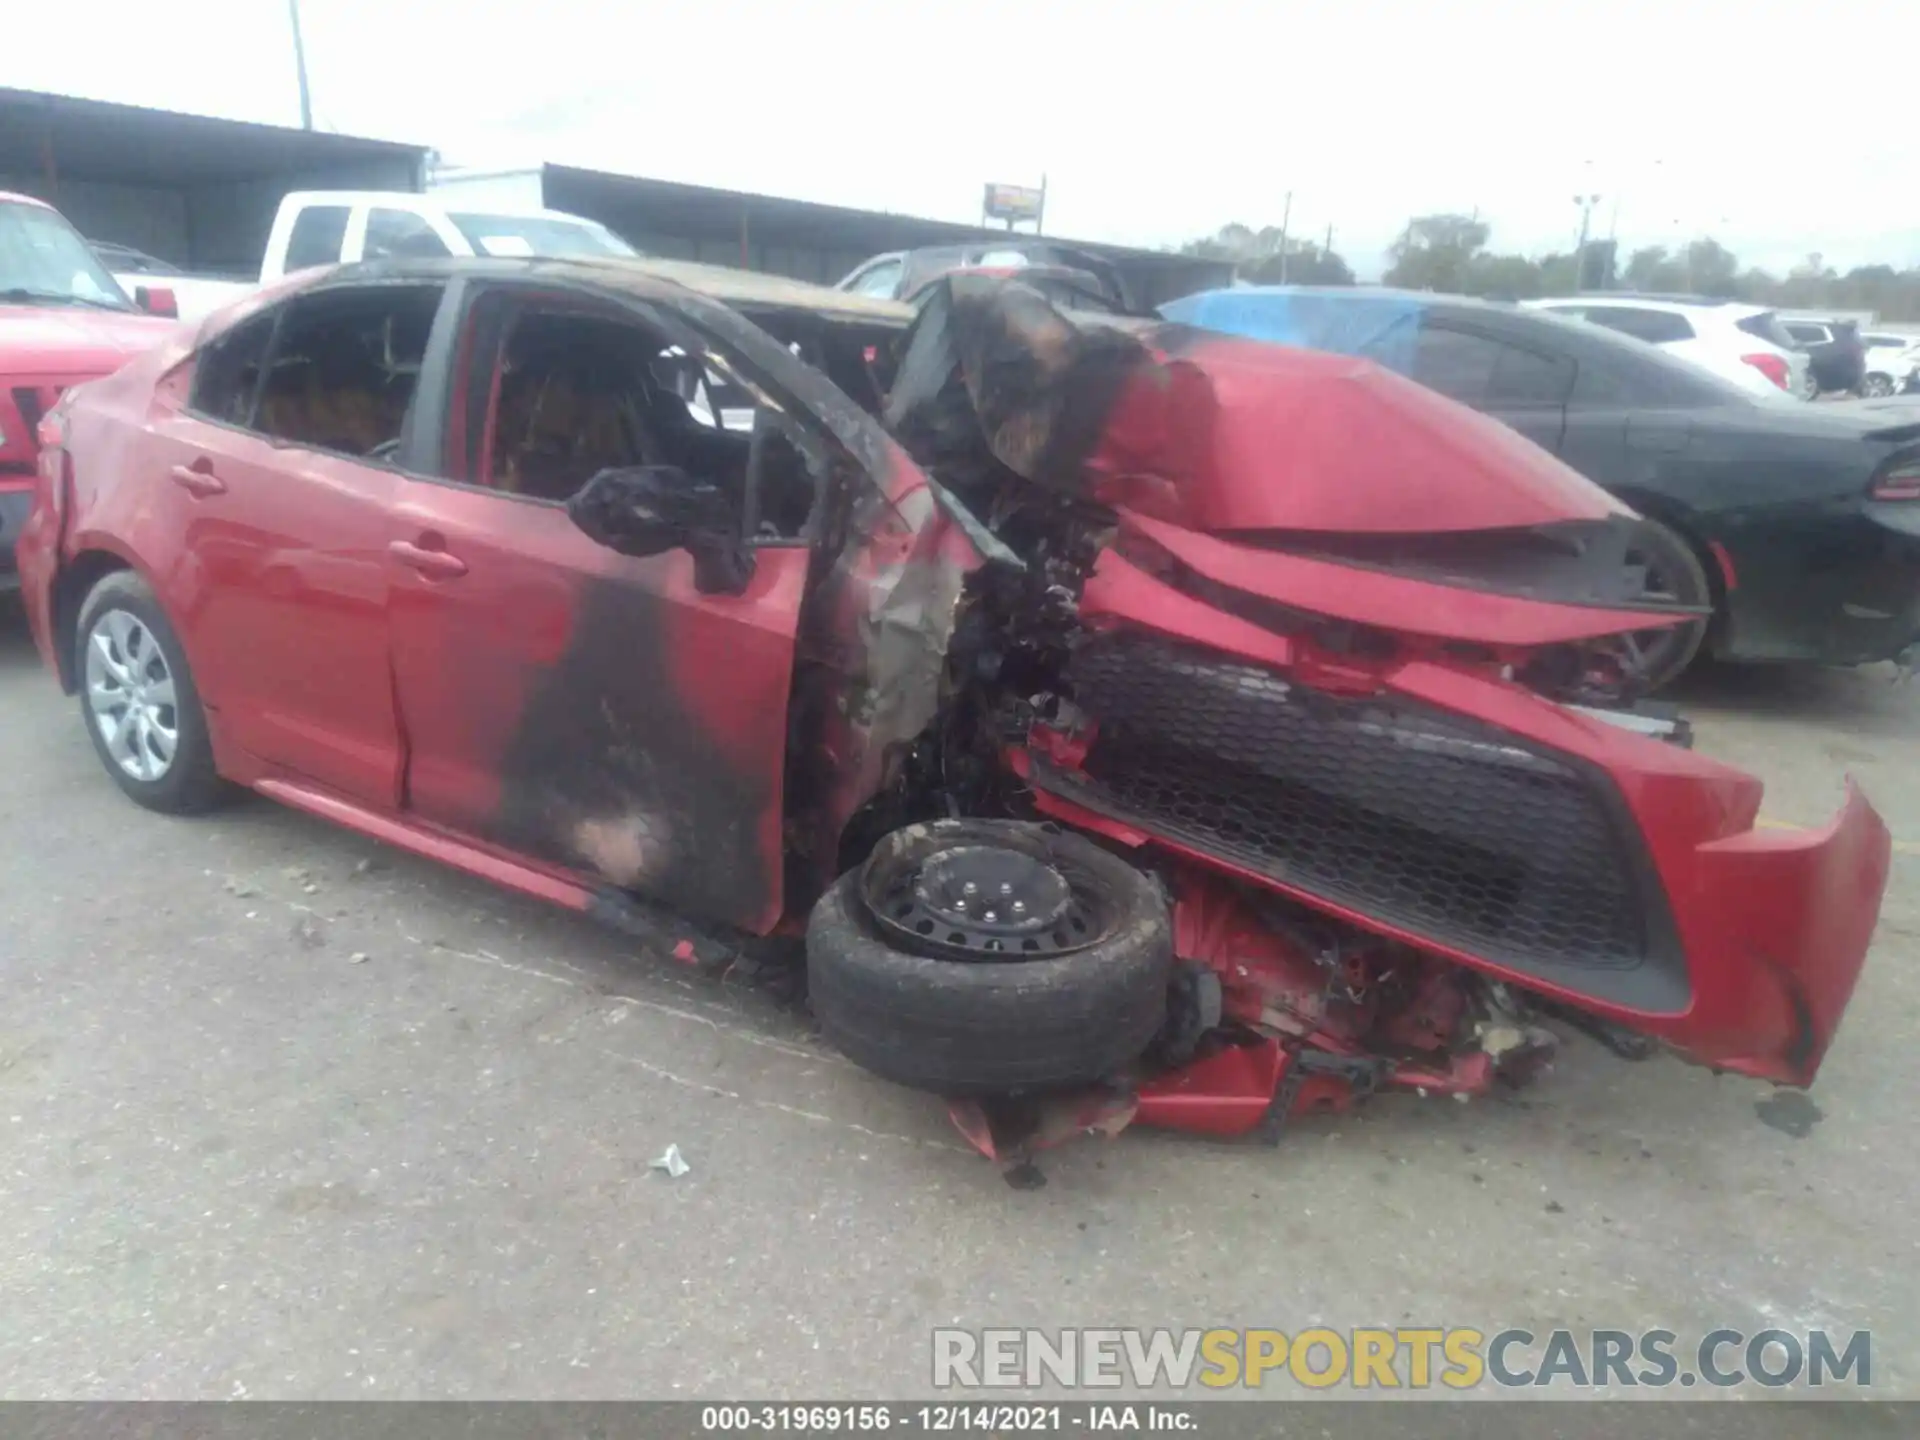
{"type": "Point", "coordinates": [976, 957]}
{"type": "Point", "coordinates": [1670, 573]}
{"type": "Point", "coordinates": [138, 699]}
{"type": "Point", "coordinates": [1877, 385]}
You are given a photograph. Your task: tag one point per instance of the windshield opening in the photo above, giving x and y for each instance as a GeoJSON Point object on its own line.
{"type": "Point", "coordinates": [44, 261]}
{"type": "Point", "coordinates": [543, 235]}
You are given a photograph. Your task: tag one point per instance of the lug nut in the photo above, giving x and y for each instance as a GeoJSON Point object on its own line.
{"type": "Point", "coordinates": [991, 916]}
{"type": "Point", "coordinates": [969, 888]}
{"type": "Point", "coordinates": [1019, 907]}
{"type": "Point", "coordinates": [1005, 888]}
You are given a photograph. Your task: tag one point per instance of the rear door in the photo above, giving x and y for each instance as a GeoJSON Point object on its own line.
{"type": "Point", "coordinates": [279, 471]}
{"type": "Point", "coordinates": [590, 711]}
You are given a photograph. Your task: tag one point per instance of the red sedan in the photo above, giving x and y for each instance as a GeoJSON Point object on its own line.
{"type": "Point", "coordinates": [1004, 656]}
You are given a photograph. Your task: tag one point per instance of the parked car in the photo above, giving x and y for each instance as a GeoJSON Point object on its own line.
{"type": "Point", "coordinates": [333, 227]}
{"type": "Point", "coordinates": [192, 296]}
{"type": "Point", "coordinates": [63, 319]}
{"type": "Point", "coordinates": [1081, 770]}
{"type": "Point", "coordinates": [903, 274]}
{"type": "Point", "coordinates": [1063, 287]}
{"type": "Point", "coordinates": [1838, 356]}
{"type": "Point", "coordinates": [1744, 344]}
{"type": "Point", "coordinates": [1892, 364]}
{"type": "Point", "coordinates": [1794, 525]}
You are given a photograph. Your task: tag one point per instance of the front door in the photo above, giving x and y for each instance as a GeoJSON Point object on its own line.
{"type": "Point", "coordinates": [589, 710]}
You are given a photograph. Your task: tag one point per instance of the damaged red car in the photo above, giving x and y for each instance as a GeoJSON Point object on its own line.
{"type": "Point", "coordinates": [1136, 723]}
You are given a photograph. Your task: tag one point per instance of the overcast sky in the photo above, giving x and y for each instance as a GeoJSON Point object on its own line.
{"type": "Point", "coordinates": [1768, 125]}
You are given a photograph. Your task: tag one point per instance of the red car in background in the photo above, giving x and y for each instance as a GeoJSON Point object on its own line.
{"type": "Point", "coordinates": [1010, 671]}
{"type": "Point", "coordinates": [63, 319]}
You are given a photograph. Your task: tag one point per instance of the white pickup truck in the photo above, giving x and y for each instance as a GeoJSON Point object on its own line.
{"type": "Point", "coordinates": [333, 227]}
{"type": "Point", "coordinates": [330, 227]}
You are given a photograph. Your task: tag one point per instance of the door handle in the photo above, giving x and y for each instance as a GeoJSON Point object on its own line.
{"type": "Point", "coordinates": [436, 564]}
{"type": "Point", "coordinates": [197, 479]}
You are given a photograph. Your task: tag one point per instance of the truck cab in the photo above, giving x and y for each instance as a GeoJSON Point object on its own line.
{"type": "Point", "coordinates": [333, 227]}
{"type": "Point", "coordinates": [63, 320]}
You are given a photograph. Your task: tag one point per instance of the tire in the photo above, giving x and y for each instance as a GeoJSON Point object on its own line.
{"type": "Point", "coordinates": [962, 1027]}
{"type": "Point", "coordinates": [1876, 386]}
{"type": "Point", "coordinates": [124, 633]}
{"type": "Point", "coordinates": [1675, 573]}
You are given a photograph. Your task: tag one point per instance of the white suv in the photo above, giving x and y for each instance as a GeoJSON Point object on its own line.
{"type": "Point", "coordinates": [1893, 362]}
{"type": "Point", "coordinates": [1743, 343]}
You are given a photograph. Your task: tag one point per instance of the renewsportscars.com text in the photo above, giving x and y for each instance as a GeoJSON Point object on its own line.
{"type": "Point", "coordinates": [1400, 1357]}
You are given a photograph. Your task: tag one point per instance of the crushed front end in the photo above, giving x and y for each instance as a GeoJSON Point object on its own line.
{"type": "Point", "coordinates": [1349, 670]}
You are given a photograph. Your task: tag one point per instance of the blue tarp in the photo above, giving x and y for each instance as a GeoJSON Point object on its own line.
{"type": "Point", "coordinates": [1382, 327]}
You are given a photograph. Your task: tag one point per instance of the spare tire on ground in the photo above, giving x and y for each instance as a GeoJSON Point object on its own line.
{"type": "Point", "coordinates": [973, 957]}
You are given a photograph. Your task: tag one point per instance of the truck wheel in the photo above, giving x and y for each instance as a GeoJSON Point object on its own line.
{"type": "Point", "coordinates": [138, 699]}
{"type": "Point", "coordinates": [973, 957]}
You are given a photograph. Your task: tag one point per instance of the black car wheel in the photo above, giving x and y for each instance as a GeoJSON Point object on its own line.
{"type": "Point", "coordinates": [973, 957]}
{"type": "Point", "coordinates": [1875, 386]}
{"type": "Point", "coordinates": [138, 699]}
{"type": "Point", "coordinates": [1671, 574]}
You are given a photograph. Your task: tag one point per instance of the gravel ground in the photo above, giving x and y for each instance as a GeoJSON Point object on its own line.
{"type": "Point", "coordinates": [287, 1114]}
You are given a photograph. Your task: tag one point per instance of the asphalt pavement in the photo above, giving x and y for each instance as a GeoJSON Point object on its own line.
{"type": "Point", "coordinates": [284, 1113]}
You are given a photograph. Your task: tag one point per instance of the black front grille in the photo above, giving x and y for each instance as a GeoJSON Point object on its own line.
{"type": "Point", "coordinates": [1423, 820]}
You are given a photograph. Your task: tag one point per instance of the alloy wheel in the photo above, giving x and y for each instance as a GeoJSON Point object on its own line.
{"type": "Point", "coordinates": [130, 695]}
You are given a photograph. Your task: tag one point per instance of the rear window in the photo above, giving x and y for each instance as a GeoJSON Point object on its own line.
{"type": "Point", "coordinates": [547, 236]}
{"type": "Point", "coordinates": [1766, 326]}
{"type": "Point", "coordinates": [1656, 327]}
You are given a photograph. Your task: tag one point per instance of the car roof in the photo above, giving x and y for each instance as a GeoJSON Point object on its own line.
{"type": "Point", "coordinates": [8, 197]}
{"type": "Point", "coordinates": [447, 201]}
{"type": "Point", "coordinates": [1672, 304]}
{"type": "Point", "coordinates": [645, 274]}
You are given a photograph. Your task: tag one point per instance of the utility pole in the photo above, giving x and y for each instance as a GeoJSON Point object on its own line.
{"type": "Point", "coordinates": [1329, 246]}
{"type": "Point", "coordinates": [300, 66]}
{"type": "Point", "coordinates": [1586, 204]}
{"type": "Point", "coordinates": [1286, 216]}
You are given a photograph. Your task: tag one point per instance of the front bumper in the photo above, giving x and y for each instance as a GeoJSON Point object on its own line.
{"type": "Point", "coordinates": [1588, 864]}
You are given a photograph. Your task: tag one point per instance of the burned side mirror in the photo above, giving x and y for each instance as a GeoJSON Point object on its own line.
{"type": "Point", "coordinates": [650, 509]}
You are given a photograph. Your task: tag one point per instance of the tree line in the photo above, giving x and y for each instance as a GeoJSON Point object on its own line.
{"type": "Point", "coordinates": [1451, 253]}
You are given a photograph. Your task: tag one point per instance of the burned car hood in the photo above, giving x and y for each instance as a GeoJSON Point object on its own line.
{"type": "Point", "coordinates": [1206, 431]}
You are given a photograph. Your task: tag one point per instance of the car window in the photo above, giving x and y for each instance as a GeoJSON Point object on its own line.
{"type": "Point", "coordinates": [1600, 387]}
{"type": "Point", "coordinates": [1458, 365]}
{"type": "Point", "coordinates": [343, 367]}
{"type": "Point", "coordinates": [226, 374]}
{"type": "Point", "coordinates": [1656, 327]}
{"type": "Point", "coordinates": [319, 232]}
{"type": "Point", "coordinates": [1530, 377]}
{"type": "Point", "coordinates": [1807, 334]}
{"type": "Point", "coordinates": [553, 237]}
{"type": "Point", "coordinates": [401, 233]}
{"type": "Point", "coordinates": [1881, 341]}
{"type": "Point", "coordinates": [559, 394]}
{"type": "Point", "coordinates": [882, 280]}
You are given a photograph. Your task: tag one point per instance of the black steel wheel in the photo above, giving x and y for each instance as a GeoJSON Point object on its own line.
{"type": "Point", "coordinates": [977, 957]}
